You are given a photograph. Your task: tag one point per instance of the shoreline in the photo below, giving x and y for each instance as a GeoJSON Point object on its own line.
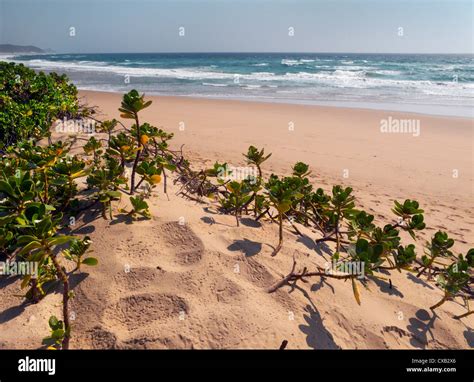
{"type": "Point", "coordinates": [356, 83]}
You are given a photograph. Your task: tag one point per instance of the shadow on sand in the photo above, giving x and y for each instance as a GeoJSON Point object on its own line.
{"type": "Point", "coordinates": [317, 336]}
{"type": "Point", "coordinates": [419, 326]}
{"type": "Point", "coordinates": [469, 336]}
{"type": "Point", "coordinates": [248, 222]}
{"type": "Point", "coordinates": [12, 312]}
{"type": "Point", "coordinates": [418, 281]}
{"type": "Point", "coordinates": [384, 287]}
{"type": "Point", "coordinates": [248, 247]}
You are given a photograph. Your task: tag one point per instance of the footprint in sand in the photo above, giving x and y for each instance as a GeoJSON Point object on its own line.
{"type": "Point", "coordinates": [133, 279]}
{"type": "Point", "coordinates": [134, 250]}
{"type": "Point", "coordinates": [181, 242]}
{"type": "Point", "coordinates": [139, 311]}
{"type": "Point", "coordinates": [255, 272]}
{"type": "Point", "coordinates": [176, 341]}
{"type": "Point", "coordinates": [227, 291]}
{"type": "Point", "coordinates": [101, 338]}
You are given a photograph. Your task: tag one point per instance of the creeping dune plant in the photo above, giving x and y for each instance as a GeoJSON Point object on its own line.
{"type": "Point", "coordinates": [357, 238]}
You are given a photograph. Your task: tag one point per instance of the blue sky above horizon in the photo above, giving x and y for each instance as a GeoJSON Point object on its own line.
{"type": "Point", "coordinates": [359, 26]}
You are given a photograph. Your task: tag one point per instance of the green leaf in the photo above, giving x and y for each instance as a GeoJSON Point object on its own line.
{"type": "Point", "coordinates": [53, 322]}
{"type": "Point", "coordinates": [6, 188]}
{"type": "Point", "coordinates": [25, 281]}
{"type": "Point", "coordinates": [29, 247]}
{"type": "Point", "coordinates": [91, 261]}
{"type": "Point", "coordinates": [58, 334]}
{"type": "Point", "coordinates": [283, 207]}
{"type": "Point", "coordinates": [6, 219]}
{"type": "Point", "coordinates": [104, 199]}
{"type": "Point", "coordinates": [58, 240]}
{"type": "Point", "coordinates": [26, 239]}
{"type": "Point", "coordinates": [78, 174]}
{"type": "Point", "coordinates": [114, 194]}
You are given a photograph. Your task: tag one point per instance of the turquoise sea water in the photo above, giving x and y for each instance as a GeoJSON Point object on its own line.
{"type": "Point", "coordinates": [441, 84]}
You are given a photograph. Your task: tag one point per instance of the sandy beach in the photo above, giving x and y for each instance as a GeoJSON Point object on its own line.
{"type": "Point", "coordinates": [188, 278]}
{"type": "Point", "coordinates": [340, 145]}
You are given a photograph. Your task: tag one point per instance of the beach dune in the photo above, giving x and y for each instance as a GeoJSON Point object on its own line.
{"type": "Point", "coordinates": [188, 278]}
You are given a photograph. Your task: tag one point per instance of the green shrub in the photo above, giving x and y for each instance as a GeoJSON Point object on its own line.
{"type": "Point", "coordinates": [30, 102]}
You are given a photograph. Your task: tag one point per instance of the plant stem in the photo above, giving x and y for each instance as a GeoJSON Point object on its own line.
{"type": "Point", "coordinates": [306, 216]}
{"type": "Point", "coordinates": [424, 268]}
{"type": "Point", "coordinates": [46, 186]}
{"type": "Point", "coordinates": [298, 232]}
{"type": "Point", "coordinates": [164, 182]}
{"type": "Point", "coordinates": [65, 281]}
{"type": "Point", "coordinates": [293, 276]}
{"type": "Point", "coordinates": [338, 243]}
{"type": "Point", "coordinates": [441, 302]}
{"type": "Point", "coordinates": [280, 222]}
{"type": "Point", "coordinates": [104, 211]}
{"type": "Point", "coordinates": [35, 292]}
{"type": "Point", "coordinates": [140, 182]}
{"type": "Point", "coordinates": [280, 231]}
{"type": "Point", "coordinates": [463, 315]}
{"type": "Point", "coordinates": [137, 157]}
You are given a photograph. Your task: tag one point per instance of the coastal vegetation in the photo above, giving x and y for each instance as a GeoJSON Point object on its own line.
{"type": "Point", "coordinates": [30, 102]}
{"type": "Point", "coordinates": [45, 185]}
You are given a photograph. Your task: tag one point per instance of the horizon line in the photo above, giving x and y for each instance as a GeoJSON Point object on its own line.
{"type": "Point", "coordinates": [272, 52]}
{"type": "Point", "coordinates": [237, 52]}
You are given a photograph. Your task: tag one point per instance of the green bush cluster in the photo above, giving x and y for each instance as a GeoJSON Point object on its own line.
{"type": "Point", "coordinates": [38, 190]}
{"type": "Point", "coordinates": [358, 240]}
{"type": "Point", "coordinates": [40, 196]}
{"type": "Point", "coordinates": [30, 102]}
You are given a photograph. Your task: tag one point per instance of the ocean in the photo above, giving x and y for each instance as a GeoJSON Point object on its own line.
{"type": "Point", "coordinates": [433, 84]}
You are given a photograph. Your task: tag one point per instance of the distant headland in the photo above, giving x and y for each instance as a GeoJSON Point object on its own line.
{"type": "Point", "coordinates": [10, 48]}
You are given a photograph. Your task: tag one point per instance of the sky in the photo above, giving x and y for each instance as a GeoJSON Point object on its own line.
{"type": "Point", "coordinates": [359, 26]}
